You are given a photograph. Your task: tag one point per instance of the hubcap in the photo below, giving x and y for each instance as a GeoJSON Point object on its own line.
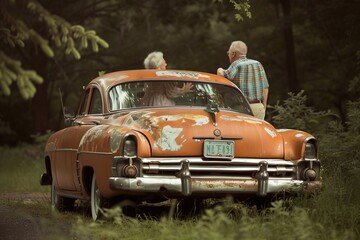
{"type": "Point", "coordinates": [95, 200]}
{"type": "Point", "coordinates": [54, 197]}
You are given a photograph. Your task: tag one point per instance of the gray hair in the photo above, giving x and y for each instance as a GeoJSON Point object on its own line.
{"type": "Point", "coordinates": [153, 60]}
{"type": "Point", "coordinates": [239, 47]}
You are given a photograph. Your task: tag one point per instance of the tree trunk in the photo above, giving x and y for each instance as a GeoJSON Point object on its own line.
{"type": "Point", "coordinates": [40, 106]}
{"type": "Point", "coordinates": [291, 73]}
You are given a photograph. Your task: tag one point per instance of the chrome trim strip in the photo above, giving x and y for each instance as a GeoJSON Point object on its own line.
{"type": "Point", "coordinates": [78, 152]}
{"type": "Point", "coordinates": [63, 150]}
{"type": "Point", "coordinates": [89, 152]}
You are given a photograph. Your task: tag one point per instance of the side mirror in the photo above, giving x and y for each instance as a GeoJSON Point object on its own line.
{"type": "Point", "coordinates": [68, 114]}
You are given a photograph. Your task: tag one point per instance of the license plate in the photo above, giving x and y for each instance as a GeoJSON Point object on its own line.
{"type": "Point", "coordinates": [218, 149]}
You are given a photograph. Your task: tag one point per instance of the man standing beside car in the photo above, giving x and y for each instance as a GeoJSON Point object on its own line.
{"type": "Point", "coordinates": [249, 75]}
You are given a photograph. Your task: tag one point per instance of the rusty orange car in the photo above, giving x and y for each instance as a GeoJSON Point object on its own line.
{"type": "Point", "coordinates": [148, 135]}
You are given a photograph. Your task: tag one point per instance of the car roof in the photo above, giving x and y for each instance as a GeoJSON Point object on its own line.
{"type": "Point", "coordinates": [110, 79]}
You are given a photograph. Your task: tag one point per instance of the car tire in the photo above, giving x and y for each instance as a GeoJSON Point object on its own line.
{"type": "Point", "coordinates": [97, 201]}
{"type": "Point", "coordinates": [60, 203]}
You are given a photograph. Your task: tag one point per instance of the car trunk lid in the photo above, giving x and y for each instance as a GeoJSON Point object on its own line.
{"type": "Point", "coordinates": [182, 132]}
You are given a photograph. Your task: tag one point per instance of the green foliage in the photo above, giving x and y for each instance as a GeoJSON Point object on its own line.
{"type": "Point", "coordinates": [41, 139]}
{"type": "Point", "coordinates": [295, 114]}
{"type": "Point", "coordinates": [216, 223]}
{"type": "Point", "coordinates": [21, 169]}
{"type": "Point", "coordinates": [228, 220]}
{"type": "Point", "coordinates": [337, 204]}
{"type": "Point", "coordinates": [340, 147]}
{"type": "Point", "coordinates": [354, 85]}
{"type": "Point", "coordinates": [18, 32]}
{"type": "Point", "coordinates": [101, 73]}
{"type": "Point", "coordinates": [243, 7]}
{"type": "Point", "coordinates": [354, 106]}
{"type": "Point", "coordinates": [12, 71]}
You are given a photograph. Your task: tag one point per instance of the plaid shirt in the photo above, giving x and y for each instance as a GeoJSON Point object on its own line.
{"type": "Point", "coordinates": [249, 75]}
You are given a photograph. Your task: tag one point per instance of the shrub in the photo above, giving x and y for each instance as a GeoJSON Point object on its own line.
{"type": "Point", "coordinates": [294, 114]}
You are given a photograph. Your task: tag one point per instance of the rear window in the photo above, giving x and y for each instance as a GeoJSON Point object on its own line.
{"type": "Point", "coordinates": [176, 93]}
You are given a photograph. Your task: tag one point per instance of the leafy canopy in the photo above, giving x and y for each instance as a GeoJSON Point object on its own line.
{"type": "Point", "coordinates": [25, 25]}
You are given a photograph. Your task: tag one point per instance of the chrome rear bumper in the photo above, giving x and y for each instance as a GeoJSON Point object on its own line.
{"type": "Point", "coordinates": [184, 184]}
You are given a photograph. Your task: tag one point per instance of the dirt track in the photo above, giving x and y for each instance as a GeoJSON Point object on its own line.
{"type": "Point", "coordinates": [16, 224]}
{"type": "Point", "coordinates": [25, 197]}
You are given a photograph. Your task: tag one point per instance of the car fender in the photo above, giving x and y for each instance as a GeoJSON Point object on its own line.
{"type": "Point", "coordinates": [294, 143]}
{"type": "Point", "coordinates": [99, 146]}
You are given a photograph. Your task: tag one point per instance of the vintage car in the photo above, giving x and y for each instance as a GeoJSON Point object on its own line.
{"type": "Point", "coordinates": [138, 135]}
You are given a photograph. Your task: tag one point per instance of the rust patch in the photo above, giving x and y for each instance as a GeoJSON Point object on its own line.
{"type": "Point", "coordinates": [142, 120]}
{"type": "Point", "coordinates": [224, 184]}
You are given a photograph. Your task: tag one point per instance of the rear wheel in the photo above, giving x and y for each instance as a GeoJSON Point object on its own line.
{"type": "Point", "coordinates": [62, 204]}
{"type": "Point", "coordinates": [97, 201]}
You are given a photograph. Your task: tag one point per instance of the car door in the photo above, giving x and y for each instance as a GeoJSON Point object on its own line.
{"type": "Point", "coordinates": [90, 113]}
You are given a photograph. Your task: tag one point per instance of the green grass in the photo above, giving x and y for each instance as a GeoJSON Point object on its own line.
{"type": "Point", "coordinates": [332, 214]}
{"type": "Point", "coordinates": [20, 169]}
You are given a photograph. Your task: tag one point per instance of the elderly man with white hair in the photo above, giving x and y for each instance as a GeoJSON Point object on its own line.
{"type": "Point", "coordinates": [249, 75]}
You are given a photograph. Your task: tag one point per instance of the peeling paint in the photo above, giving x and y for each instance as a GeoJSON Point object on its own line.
{"type": "Point", "coordinates": [92, 134]}
{"type": "Point", "coordinates": [199, 119]}
{"type": "Point", "coordinates": [241, 119]}
{"type": "Point", "coordinates": [181, 74]}
{"type": "Point", "coordinates": [228, 118]}
{"type": "Point", "coordinates": [167, 139]}
{"type": "Point", "coordinates": [147, 122]}
{"type": "Point", "coordinates": [142, 139]}
{"type": "Point", "coordinates": [116, 138]}
{"type": "Point", "coordinates": [270, 132]}
{"type": "Point", "coordinates": [142, 120]}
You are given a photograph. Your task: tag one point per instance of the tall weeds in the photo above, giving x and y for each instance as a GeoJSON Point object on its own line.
{"type": "Point", "coordinates": [337, 206]}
